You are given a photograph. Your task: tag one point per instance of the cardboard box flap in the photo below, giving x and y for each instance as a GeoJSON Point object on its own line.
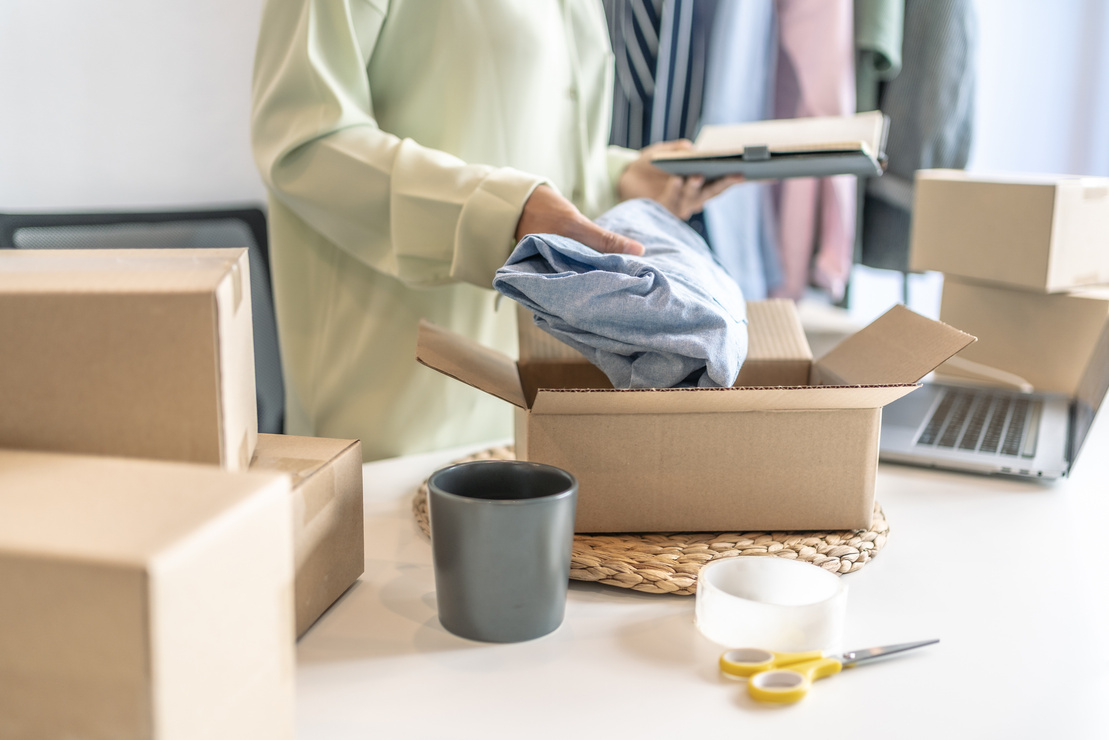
{"type": "Point", "coordinates": [466, 360]}
{"type": "Point", "coordinates": [899, 347]}
{"type": "Point", "coordinates": [299, 457]}
{"type": "Point", "coordinates": [537, 345]}
{"type": "Point", "coordinates": [775, 331]}
{"type": "Point", "coordinates": [715, 400]}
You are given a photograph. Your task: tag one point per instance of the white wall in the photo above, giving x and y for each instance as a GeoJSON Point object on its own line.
{"type": "Point", "coordinates": [126, 103]}
{"type": "Point", "coordinates": [1042, 106]}
{"type": "Point", "coordinates": [1043, 87]}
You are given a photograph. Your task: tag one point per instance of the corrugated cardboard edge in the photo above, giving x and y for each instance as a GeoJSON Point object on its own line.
{"type": "Point", "coordinates": [899, 347]}
{"type": "Point", "coordinates": [472, 363]}
{"type": "Point", "coordinates": [716, 400]}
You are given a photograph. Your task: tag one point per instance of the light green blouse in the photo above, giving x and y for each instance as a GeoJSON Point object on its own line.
{"type": "Point", "coordinates": [399, 141]}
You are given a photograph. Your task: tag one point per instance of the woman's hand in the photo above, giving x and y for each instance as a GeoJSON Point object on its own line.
{"type": "Point", "coordinates": [682, 196]}
{"type": "Point", "coordinates": [547, 212]}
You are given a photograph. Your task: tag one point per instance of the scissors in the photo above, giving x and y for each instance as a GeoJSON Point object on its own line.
{"type": "Point", "coordinates": [785, 678]}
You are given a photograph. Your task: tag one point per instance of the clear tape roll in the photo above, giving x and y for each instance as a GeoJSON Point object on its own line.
{"type": "Point", "coordinates": [771, 603]}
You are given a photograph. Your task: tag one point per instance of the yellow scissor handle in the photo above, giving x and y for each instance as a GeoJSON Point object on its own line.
{"type": "Point", "coordinates": [749, 661]}
{"type": "Point", "coordinates": [787, 685]}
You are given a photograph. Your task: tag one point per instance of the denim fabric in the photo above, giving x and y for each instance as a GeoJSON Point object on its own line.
{"type": "Point", "coordinates": [671, 318]}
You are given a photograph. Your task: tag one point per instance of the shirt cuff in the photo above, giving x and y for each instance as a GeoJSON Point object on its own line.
{"type": "Point", "coordinates": [618, 158]}
{"type": "Point", "coordinates": [487, 225]}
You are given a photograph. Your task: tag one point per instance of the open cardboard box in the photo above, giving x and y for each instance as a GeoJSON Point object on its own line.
{"type": "Point", "coordinates": [129, 352]}
{"type": "Point", "coordinates": [792, 446]}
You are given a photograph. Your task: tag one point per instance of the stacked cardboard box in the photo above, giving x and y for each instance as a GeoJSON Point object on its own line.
{"type": "Point", "coordinates": [137, 353]}
{"type": "Point", "coordinates": [122, 367]}
{"type": "Point", "coordinates": [143, 599]}
{"type": "Point", "coordinates": [1025, 260]}
{"type": "Point", "coordinates": [1039, 233]}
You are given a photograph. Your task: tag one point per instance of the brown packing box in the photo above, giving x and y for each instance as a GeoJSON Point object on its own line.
{"type": "Point", "coordinates": [134, 353]}
{"type": "Point", "coordinates": [798, 451]}
{"type": "Point", "coordinates": [1048, 341]}
{"type": "Point", "coordinates": [327, 515]}
{"type": "Point", "coordinates": [143, 599]}
{"type": "Point", "coordinates": [1045, 233]}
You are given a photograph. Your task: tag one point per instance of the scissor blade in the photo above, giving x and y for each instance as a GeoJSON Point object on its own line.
{"type": "Point", "coordinates": [857, 657]}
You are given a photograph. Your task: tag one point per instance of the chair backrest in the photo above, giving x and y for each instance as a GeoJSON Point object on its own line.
{"type": "Point", "coordinates": [215, 228]}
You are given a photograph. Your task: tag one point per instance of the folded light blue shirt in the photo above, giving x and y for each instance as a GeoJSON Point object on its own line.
{"type": "Point", "coordinates": [670, 318]}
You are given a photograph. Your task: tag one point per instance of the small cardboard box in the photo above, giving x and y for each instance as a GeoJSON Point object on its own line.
{"type": "Point", "coordinates": [797, 451]}
{"type": "Point", "coordinates": [1046, 341]}
{"type": "Point", "coordinates": [1044, 233]}
{"type": "Point", "coordinates": [143, 599]}
{"type": "Point", "coordinates": [328, 542]}
{"type": "Point", "coordinates": [133, 353]}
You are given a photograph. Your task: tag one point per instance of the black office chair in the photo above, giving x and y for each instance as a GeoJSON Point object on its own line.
{"type": "Point", "coordinates": [215, 228]}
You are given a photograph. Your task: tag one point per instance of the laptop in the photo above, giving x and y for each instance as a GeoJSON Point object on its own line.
{"type": "Point", "coordinates": [981, 429]}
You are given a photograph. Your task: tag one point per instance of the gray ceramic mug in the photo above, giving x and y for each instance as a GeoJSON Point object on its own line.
{"type": "Point", "coordinates": [501, 536]}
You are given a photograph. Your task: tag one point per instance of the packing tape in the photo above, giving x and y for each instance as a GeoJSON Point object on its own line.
{"type": "Point", "coordinates": [771, 603]}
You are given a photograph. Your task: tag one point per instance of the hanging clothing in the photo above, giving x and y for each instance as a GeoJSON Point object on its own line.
{"type": "Point", "coordinates": [634, 27]}
{"type": "Point", "coordinates": [930, 104]}
{"type": "Point", "coordinates": [879, 30]}
{"type": "Point", "coordinates": [399, 142]}
{"type": "Point", "coordinates": [815, 77]}
{"type": "Point", "coordinates": [660, 51]}
{"type": "Point", "coordinates": [738, 89]}
{"type": "Point", "coordinates": [683, 44]}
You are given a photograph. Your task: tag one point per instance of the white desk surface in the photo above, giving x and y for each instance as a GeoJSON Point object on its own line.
{"type": "Point", "coordinates": [1010, 575]}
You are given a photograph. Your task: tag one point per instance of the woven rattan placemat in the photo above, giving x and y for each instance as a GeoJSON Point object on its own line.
{"type": "Point", "coordinates": [669, 563]}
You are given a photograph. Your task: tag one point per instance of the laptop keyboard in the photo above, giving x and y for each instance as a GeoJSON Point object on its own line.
{"type": "Point", "coordinates": [974, 420]}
